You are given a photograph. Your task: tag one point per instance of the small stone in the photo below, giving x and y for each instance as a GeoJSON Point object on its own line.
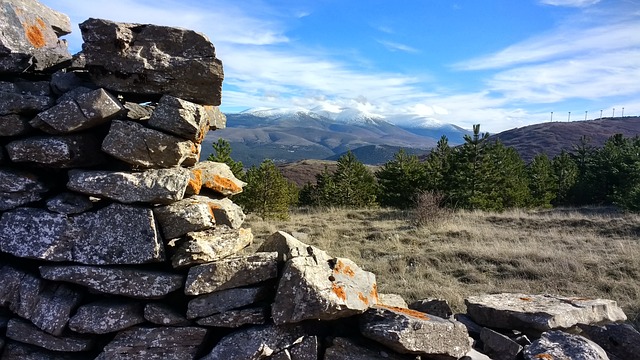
{"type": "Point", "coordinates": [231, 273]}
{"type": "Point", "coordinates": [392, 300]}
{"type": "Point", "coordinates": [14, 125]}
{"type": "Point", "coordinates": [18, 188]}
{"type": "Point", "coordinates": [210, 245]}
{"type": "Point", "coordinates": [137, 145]}
{"type": "Point", "coordinates": [560, 345]}
{"type": "Point", "coordinates": [288, 247]}
{"type": "Point", "coordinates": [24, 97]}
{"type": "Point", "coordinates": [181, 118]}
{"type": "Point", "coordinates": [105, 316]}
{"type": "Point", "coordinates": [237, 318]}
{"type": "Point", "coordinates": [156, 186]}
{"type": "Point", "coordinates": [214, 176]}
{"type": "Point", "coordinates": [163, 314]}
{"type": "Point", "coordinates": [499, 346]}
{"type": "Point", "coordinates": [69, 203]}
{"type": "Point", "coordinates": [184, 216]}
{"type": "Point", "coordinates": [57, 151]}
{"type": "Point", "coordinates": [225, 300]}
{"type": "Point", "coordinates": [140, 284]}
{"type": "Point", "coordinates": [25, 332]}
{"type": "Point", "coordinates": [437, 307]}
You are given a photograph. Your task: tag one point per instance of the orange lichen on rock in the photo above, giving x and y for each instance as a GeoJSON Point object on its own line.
{"type": "Point", "coordinates": [34, 34]}
{"type": "Point", "coordinates": [195, 183]}
{"type": "Point", "coordinates": [342, 268]}
{"type": "Point", "coordinates": [220, 184]}
{"type": "Point", "coordinates": [212, 208]}
{"type": "Point", "coordinates": [413, 313]}
{"type": "Point", "coordinates": [544, 356]}
{"type": "Point", "coordinates": [339, 291]}
{"type": "Point", "coordinates": [363, 298]}
{"type": "Point", "coordinates": [525, 299]}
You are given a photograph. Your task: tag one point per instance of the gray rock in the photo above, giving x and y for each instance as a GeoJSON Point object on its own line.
{"type": "Point", "coordinates": [181, 118]}
{"type": "Point", "coordinates": [217, 120]}
{"type": "Point", "coordinates": [393, 300]}
{"type": "Point", "coordinates": [69, 203]}
{"type": "Point", "coordinates": [323, 290]}
{"type": "Point", "coordinates": [47, 305]}
{"type": "Point", "coordinates": [140, 146]}
{"type": "Point", "coordinates": [14, 125]}
{"type": "Point", "coordinates": [224, 300]}
{"type": "Point", "coordinates": [412, 332]}
{"type": "Point", "coordinates": [620, 340]}
{"type": "Point", "coordinates": [18, 188]}
{"type": "Point", "coordinates": [347, 349]}
{"type": "Point", "coordinates": [184, 216]}
{"type": "Point", "coordinates": [175, 343]}
{"type": "Point", "coordinates": [560, 345]}
{"type": "Point", "coordinates": [225, 211]}
{"type": "Point", "coordinates": [156, 186]}
{"type": "Point", "coordinates": [57, 151]}
{"type": "Point", "coordinates": [288, 247]}
{"type": "Point", "coordinates": [540, 312]}
{"type": "Point", "coordinates": [29, 39]}
{"type": "Point", "coordinates": [163, 314]}
{"type": "Point", "coordinates": [210, 245]}
{"type": "Point", "coordinates": [88, 110]}
{"type": "Point", "coordinates": [257, 342]}
{"type": "Point", "coordinates": [20, 351]}
{"type": "Point", "coordinates": [231, 273]}
{"type": "Point", "coordinates": [214, 176]}
{"type": "Point", "coordinates": [116, 234]}
{"type": "Point", "coordinates": [437, 307]}
{"type": "Point", "coordinates": [237, 318]}
{"type": "Point", "coordinates": [153, 60]}
{"type": "Point", "coordinates": [24, 97]}
{"type": "Point", "coordinates": [25, 332]}
{"type": "Point", "coordinates": [135, 283]}
{"type": "Point", "coordinates": [106, 316]}
{"type": "Point", "coordinates": [499, 346]}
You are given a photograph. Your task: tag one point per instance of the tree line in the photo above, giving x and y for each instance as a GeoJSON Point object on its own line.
{"type": "Point", "coordinates": [479, 174]}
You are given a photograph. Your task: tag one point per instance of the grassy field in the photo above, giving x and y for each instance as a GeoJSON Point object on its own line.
{"type": "Point", "coordinates": [585, 252]}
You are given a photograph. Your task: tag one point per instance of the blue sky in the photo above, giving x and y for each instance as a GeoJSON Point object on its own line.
{"type": "Point", "coordinates": [499, 63]}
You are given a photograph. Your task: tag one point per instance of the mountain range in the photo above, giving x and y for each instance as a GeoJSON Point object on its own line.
{"type": "Point", "coordinates": [287, 135]}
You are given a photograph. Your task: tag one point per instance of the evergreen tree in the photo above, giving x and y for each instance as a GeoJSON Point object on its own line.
{"type": "Point", "coordinates": [617, 166]}
{"type": "Point", "coordinates": [355, 185]}
{"type": "Point", "coordinates": [542, 182]}
{"type": "Point", "coordinates": [565, 173]}
{"type": "Point", "coordinates": [505, 183]}
{"type": "Point", "coordinates": [466, 170]}
{"type": "Point", "coordinates": [400, 180]}
{"type": "Point", "coordinates": [268, 193]}
{"type": "Point", "coordinates": [585, 189]}
{"type": "Point", "coordinates": [323, 192]}
{"type": "Point", "coordinates": [438, 166]}
{"type": "Point", "coordinates": [222, 153]}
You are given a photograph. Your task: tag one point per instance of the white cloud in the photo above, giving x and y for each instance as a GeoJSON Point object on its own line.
{"type": "Point", "coordinates": [394, 46]}
{"type": "Point", "coordinates": [570, 3]}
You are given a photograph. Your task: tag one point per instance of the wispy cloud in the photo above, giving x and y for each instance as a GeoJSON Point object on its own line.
{"type": "Point", "coordinates": [570, 3]}
{"type": "Point", "coordinates": [394, 46]}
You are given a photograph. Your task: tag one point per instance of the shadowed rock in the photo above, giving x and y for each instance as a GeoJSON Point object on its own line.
{"type": "Point", "coordinates": [106, 316]}
{"type": "Point", "coordinates": [20, 351]}
{"type": "Point", "coordinates": [25, 332]}
{"type": "Point", "coordinates": [237, 318]}
{"type": "Point", "coordinates": [19, 188]}
{"type": "Point", "coordinates": [560, 345]}
{"type": "Point", "coordinates": [412, 332]}
{"type": "Point", "coordinates": [164, 314]}
{"type": "Point", "coordinates": [210, 245]}
{"type": "Point", "coordinates": [540, 312]}
{"type": "Point", "coordinates": [347, 349]}
{"type": "Point", "coordinates": [214, 176]}
{"type": "Point", "coordinates": [231, 273]}
{"type": "Point", "coordinates": [313, 288]}
{"type": "Point", "coordinates": [155, 343]}
{"type": "Point", "coordinates": [620, 340]}
{"type": "Point", "coordinates": [437, 307]}
{"type": "Point", "coordinates": [156, 186]}
{"type": "Point", "coordinates": [69, 203]}
{"type": "Point", "coordinates": [181, 118]}
{"type": "Point", "coordinates": [498, 346]}
{"type": "Point", "coordinates": [225, 211]}
{"type": "Point", "coordinates": [23, 97]}
{"type": "Point", "coordinates": [224, 300]}
{"type": "Point", "coordinates": [14, 124]}
{"type": "Point", "coordinates": [141, 284]}
{"type": "Point", "coordinates": [152, 60]}
{"type": "Point", "coordinates": [140, 146]}
{"type": "Point", "coordinates": [57, 151]}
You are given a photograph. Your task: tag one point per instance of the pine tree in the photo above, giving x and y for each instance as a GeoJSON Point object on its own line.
{"type": "Point", "coordinates": [438, 166]}
{"type": "Point", "coordinates": [542, 182]}
{"type": "Point", "coordinates": [268, 193]}
{"type": "Point", "coordinates": [565, 173]}
{"type": "Point", "coordinates": [222, 153]}
{"type": "Point", "coordinates": [400, 180]}
{"type": "Point", "coordinates": [466, 170]}
{"type": "Point", "coordinates": [355, 185]}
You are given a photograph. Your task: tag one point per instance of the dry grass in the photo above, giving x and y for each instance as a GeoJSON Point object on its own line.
{"type": "Point", "coordinates": [590, 253]}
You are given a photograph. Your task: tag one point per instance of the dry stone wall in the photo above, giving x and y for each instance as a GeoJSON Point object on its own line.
{"type": "Point", "coordinates": [116, 242]}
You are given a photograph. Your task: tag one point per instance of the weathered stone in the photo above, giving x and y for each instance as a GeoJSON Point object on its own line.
{"type": "Point", "coordinates": [24, 331]}
{"type": "Point", "coordinates": [163, 314]}
{"type": "Point", "coordinates": [116, 234]}
{"type": "Point", "coordinates": [231, 273]}
{"type": "Point", "coordinates": [437, 307]}
{"type": "Point", "coordinates": [24, 97]}
{"type": "Point", "coordinates": [29, 39]}
{"type": "Point", "coordinates": [19, 188]}
{"type": "Point", "coordinates": [473, 328]}
{"type": "Point", "coordinates": [217, 120]}
{"type": "Point", "coordinates": [288, 247]}
{"type": "Point", "coordinates": [46, 305]}
{"type": "Point", "coordinates": [181, 118]}
{"type": "Point", "coordinates": [620, 340]}
{"type": "Point", "coordinates": [156, 186]}
{"type": "Point", "coordinates": [63, 82]}
{"type": "Point", "coordinates": [257, 342]}
{"type": "Point", "coordinates": [57, 151]}
{"type": "Point", "coordinates": [393, 300]}
{"type": "Point", "coordinates": [540, 312]}
{"type": "Point", "coordinates": [412, 332]}
{"type": "Point", "coordinates": [560, 345]}
{"type": "Point", "coordinates": [138, 112]}
{"type": "Point", "coordinates": [499, 346]}
{"type": "Point", "coordinates": [323, 290]}
{"type": "Point", "coordinates": [224, 300]}
{"type": "Point", "coordinates": [14, 125]}
{"type": "Point", "coordinates": [141, 284]}
{"type": "Point", "coordinates": [153, 60]}
{"type": "Point", "coordinates": [88, 110]}
{"type": "Point", "coordinates": [175, 343]}
{"type": "Point", "coordinates": [347, 349]}
{"type": "Point", "coordinates": [106, 316]}
{"type": "Point", "coordinates": [210, 245]}
{"type": "Point", "coordinates": [20, 351]}
{"type": "Point", "coordinates": [237, 318]}
{"type": "Point", "coordinates": [184, 216]}
{"type": "Point", "coordinates": [69, 203]}
{"type": "Point", "coordinates": [225, 211]}
{"type": "Point", "coordinates": [214, 176]}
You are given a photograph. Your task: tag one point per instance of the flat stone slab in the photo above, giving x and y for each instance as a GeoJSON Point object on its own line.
{"type": "Point", "coordinates": [181, 118]}
{"type": "Point", "coordinates": [20, 351]}
{"type": "Point", "coordinates": [225, 300]}
{"type": "Point", "coordinates": [184, 216]}
{"type": "Point", "coordinates": [153, 60]}
{"type": "Point", "coordinates": [322, 290]}
{"type": "Point", "coordinates": [231, 272]}
{"type": "Point", "coordinates": [23, 97]}
{"type": "Point", "coordinates": [106, 316]}
{"type": "Point", "coordinates": [540, 312]}
{"type": "Point", "coordinates": [155, 343]}
{"type": "Point", "coordinates": [142, 147]}
{"type": "Point", "coordinates": [155, 186]}
{"type": "Point", "coordinates": [141, 284]}
{"type": "Point", "coordinates": [237, 318]}
{"type": "Point", "coordinates": [25, 332]}
{"type": "Point", "coordinates": [560, 345]}
{"type": "Point", "coordinates": [164, 314]}
{"type": "Point", "coordinates": [288, 247]}
{"type": "Point", "coordinates": [214, 176]}
{"type": "Point", "coordinates": [210, 245]}
{"type": "Point", "coordinates": [412, 332]}
{"type": "Point", "coordinates": [65, 151]}
{"type": "Point", "coordinates": [18, 188]}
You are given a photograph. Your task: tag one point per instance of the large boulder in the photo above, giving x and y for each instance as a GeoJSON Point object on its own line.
{"type": "Point", "coordinates": [560, 345]}
{"type": "Point", "coordinates": [152, 60]}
